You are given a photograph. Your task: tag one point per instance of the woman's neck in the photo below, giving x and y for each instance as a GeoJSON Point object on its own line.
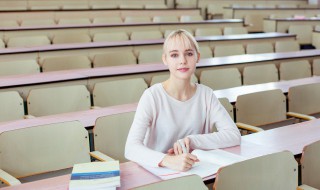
{"type": "Point", "coordinates": [181, 90]}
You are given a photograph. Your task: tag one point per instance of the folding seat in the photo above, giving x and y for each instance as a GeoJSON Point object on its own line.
{"type": "Point", "coordinates": [66, 63]}
{"type": "Point", "coordinates": [258, 74]}
{"type": "Point", "coordinates": [310, 167]}
{"type": "Point", "coordinates": [114, 59]}
{"type": "Point", "coordinates": [137, 19]}
{"type": "Point", "coordinates": [2, 45]}
{"type": "Point", "coordinates": [189, 182]}
{"type": "Point", "coordinates": [74, 21]}
{"type": "Point", "coordinates": [103, 4]}
{"type": "Point", "coordinates": [165, 19]}
{"type": "Point", "coordinates": [44, 5]}
{"type": "Point", "coordinates": [110, 37]}
{"type": "Point", "coordinates": [283, 164]}
{"type": "Point", "coordinates": [69, 38]}
{"type": "Point", "coordinates": [221, 78]}
{"type": "Point", "coordinates": [38, 22]}
{"type": "Point", "coordinates": [19, 67]}
{"type": "Point", "coordinates": [131, 6]}
{"type": "Point", "coordinates": [260, 48]}
{"type": "Point", "coordinates": [234, 30]}
{"type": "Point", "coordinates": [9, 23]}
{"type": "Point", "coordinates": [56, 100]}
{"type": "Point", "coordinates": [108, 20]}
{"type": "Point", "coordinates": [75, 5]}
{"type": "Point", "coordinates": [187, 18]}
{"type": "Point", "coordinates": [118, 92]}
{"type": "Point", "coordinates": [155, 6]}
{"type": "Point", "coordinates": [228, 50]}
{"type": "Point", "coordinates": [112, 130]}
{"type": "Point", "coordinates": [316, 67]}
{"type": "Point", "coordinates": [146, 35]}
{"type": "Point", "coordinates": [12, 107]}
{"type": "Point", "coordinates": [294, 70]}
{"type": "Point", "coordinates": [205, 52]}
{"type": "Point", "coordinates": [28, 41]}
{"type": "Point", "coordinates": [287, 46]}
{"type": "Point", "coordinates": [303, 32]}
{"type": "Point", "coordinates": [208, 32]}
{"type": "Point", "coordinates": [150, 56]}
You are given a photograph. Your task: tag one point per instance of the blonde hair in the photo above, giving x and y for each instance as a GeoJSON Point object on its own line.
{"type": "Point", "coordinates": [185, 36]}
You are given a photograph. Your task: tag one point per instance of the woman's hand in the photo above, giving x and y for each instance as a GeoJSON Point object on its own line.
{"type": "Point", "coordinates": [181, 162]}
{"type": "Point", "coordinates": [177, 149]}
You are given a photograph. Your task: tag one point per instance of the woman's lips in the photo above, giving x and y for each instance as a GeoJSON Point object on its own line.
{"type": "Point", "coordinates": [183, 69]}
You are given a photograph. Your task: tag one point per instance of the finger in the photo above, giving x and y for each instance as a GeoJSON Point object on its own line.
{"type": "Point", "coordinates": [179, 149]}
{"type": "Point", "coordinates": [193, 157]}
{"type": "Point", "coordinates": [175, 148]}
{"type": "Point", "coordinates": [170, 151]}
{"type": "Point", "coordinates": [187, 143]}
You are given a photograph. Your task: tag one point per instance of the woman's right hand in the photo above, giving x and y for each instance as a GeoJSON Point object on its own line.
{"type": "Point", "coordinates": [181, 162]}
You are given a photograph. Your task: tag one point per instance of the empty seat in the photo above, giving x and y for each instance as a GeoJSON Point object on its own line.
{"type": "Point", "coordinates": [261, 108]}
{"type": "Point", "coordinates": [114, 59]}
{"type": "Point", "coordinates": [110, 37]}
{"type": "Point", "coordinates": [208, 32]}
{"type": "Point", "coordinates": [30, 151]}
{"type": "Point", "coordinates": [65, 63]}
{"type": "Point", "coordinates": [74, 21]}
{"type": "Point", "coordinates": [155, 6]}
{"type": "Point", "coordinates": [221, 78]}
{"type": "Point", "coordinates": [65, 38]}
{"type": "Point", "coordinates": [194, 18]}
{"type": "Point", "coordinates": [294, 70]}
{"type": "Point", "coordinates": [277, 171]}
{"type": "Point", "coordinates": [310, 167]}
{"type": "Point", "coordinates": [287, 46]}
{"type": "Point", "coordinates": [165, 19]}
{"type": "Point", "coordinates": [287, 6]}
{"type": "Point", "coordinates": [258, 74]}
{"type": "Point", "coordinates": [304, 99]}
{"type": "Point", "coordinates": [150, 56]}
{"type": "Point", "coordinates": [104, 5]}
{"type": "Point", "coordinates": [44, 5]}
{"type": "Point", "coordinates": [227, 105]}
{"type": "Point", "coordinates": [146, 35]}
{"type": "Point", "coordinates": [260, 48]}
{"type": "Point", "coordinates": [131, 6]}
{"type": "Point", "coordinates": [265, 6]}
{"type": "Point", "coordinates": [19, 67]}
{"type": "Point", "coordinates": [303, 32]}
{"type": "Point", "coordinates": [234, 30]}
{"type": "Point", "coordinates": [55, 100]}
{"type": "Point", "coordinates": [316, 67]}
{"type": "Point", "coordinates": [107, 20]}
{"type": "Point", "coordinates": [75, 5]}
{"type": "Point", "coordinates": [9, 23]}
{"type": "Point", "coordinates": [205, 52]}
{"type": "Point", "coordinates": [2, 45]}
{"type": "Point", "coordinates": [189, 182]}
{"type": "Point", "coordinates": [163, 77]}
{"type": "Point", "coordinates": [228, 50]}
{"type": "Point", "coordinates": [110, 134]}
{"type": "Point", "coordinates": [28, 41]}
{"type": "Point", "coordinates": [118, 92]}
{"type": "Point", "coordinates": [12, 107]}
{"type": "Point", "coordinates": [38, 22]}
{"type": "Point", "coordinates": [137, 19]}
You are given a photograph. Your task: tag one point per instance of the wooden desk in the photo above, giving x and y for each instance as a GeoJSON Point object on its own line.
{"type": "Point", "coordinates": [292, 138]}
{"type": "Point", "coordinates": [266, 12]}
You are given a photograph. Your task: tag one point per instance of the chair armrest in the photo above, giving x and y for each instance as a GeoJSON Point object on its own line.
{"type": "Point", "coordinates": [305, 187]}
{"type": "Point", "coordinates": [29, 116]}
{"type": "Point", "coordinates": [8, 179]}
{"type": "Point", "coordinates": [100, 156]}
{"type": "Point", "coordinates": [300, 116]}
{"type": "Point", "coordinates": [248, 127]}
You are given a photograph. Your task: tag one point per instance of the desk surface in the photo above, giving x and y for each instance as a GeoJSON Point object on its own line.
{"type": "Point", "coordinates": [292, 138]}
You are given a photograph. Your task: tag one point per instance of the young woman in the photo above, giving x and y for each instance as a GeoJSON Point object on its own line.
{"type": "Point", "coordinates": [176, 110]}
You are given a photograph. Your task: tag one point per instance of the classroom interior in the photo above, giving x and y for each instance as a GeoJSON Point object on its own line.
{"type": "Point", "coordinates": [72, 73]}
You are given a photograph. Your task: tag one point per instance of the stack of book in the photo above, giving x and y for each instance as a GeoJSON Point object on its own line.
{"type": "Point", "coordinates": [95, 175]}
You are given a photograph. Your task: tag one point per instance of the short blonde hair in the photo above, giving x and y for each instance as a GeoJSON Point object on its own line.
{"type": "Point", "coordinates": [185, 36]}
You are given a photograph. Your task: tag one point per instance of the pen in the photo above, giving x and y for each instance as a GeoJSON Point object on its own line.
{"type": "Point", "coordinates": [183, 146]}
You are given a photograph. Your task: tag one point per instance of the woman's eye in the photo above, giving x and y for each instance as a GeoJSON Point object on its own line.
{"type": "Point", "coordinates": [174, 55]}
{"type": "Point", "coordinates": [190, 54]}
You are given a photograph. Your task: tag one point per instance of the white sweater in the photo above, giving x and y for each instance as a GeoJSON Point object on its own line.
{"type": "Point", "coordinates": [161, 120]}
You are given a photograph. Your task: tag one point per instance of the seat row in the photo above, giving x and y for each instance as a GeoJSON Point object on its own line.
{"type": "Point", "coordinates": [39, 22]}
{"type": "Point", "coordinates": [69, 98]}
{"type": "Point", "coordinates": [82, 5]}
{"type": "Point", "coordinates": [117, 58]}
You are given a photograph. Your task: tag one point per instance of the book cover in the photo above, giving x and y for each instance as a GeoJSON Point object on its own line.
{"type": "Point", "coordinates": [209, 164]}
{"type": "Point", "coordinates": [95, 175]}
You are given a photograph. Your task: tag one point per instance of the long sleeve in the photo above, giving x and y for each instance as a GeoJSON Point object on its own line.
{"type": "Point", "coordinates": [227, 132]}
{"type": "Point", "coordinates": [135, 149]}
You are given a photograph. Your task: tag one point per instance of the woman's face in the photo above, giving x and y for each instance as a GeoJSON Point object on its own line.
{"type": "Point", "coordinates": [181, 58]}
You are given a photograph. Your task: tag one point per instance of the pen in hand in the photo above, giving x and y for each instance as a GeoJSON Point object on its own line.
{"type": "Point", "coordinates": [183, 146]}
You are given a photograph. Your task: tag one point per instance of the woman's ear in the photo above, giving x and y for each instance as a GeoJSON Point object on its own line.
{"type": "Point", "coordinates": [164, 59]}
{"type": "Point", "coordinates": [198, 58]}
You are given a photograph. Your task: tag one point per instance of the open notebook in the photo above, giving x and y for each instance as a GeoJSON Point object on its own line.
{"type": "Point", "coordinates": [209, 164]}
